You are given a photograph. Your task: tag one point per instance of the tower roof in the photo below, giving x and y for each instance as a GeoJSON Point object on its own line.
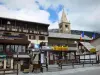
{"type": "Point", "coordinates": [64, 18]}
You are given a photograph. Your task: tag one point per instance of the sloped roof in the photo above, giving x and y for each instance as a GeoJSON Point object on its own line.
{"type": "Point", "coordinates": [67, 36]}
{"type": "Point", "coordinates": [78, 32]}
{"type": "Point", "coordinates": [22, 20]}
{"type": "Point", "coordinates": [87, 45]}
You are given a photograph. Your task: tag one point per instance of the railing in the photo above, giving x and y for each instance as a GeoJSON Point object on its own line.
{"type": "Point", "coordinates": [87, 58]}
{"type": "Point", "coordinates": [2, 28]}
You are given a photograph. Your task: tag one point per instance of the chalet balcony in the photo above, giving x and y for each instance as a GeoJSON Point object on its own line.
{"type": "Point", "coordinates": [25, 30]}
{"type": "Point", "coordinates": [35, 32]}
{"type": "Point", "coordinates": [19, 30]}
{"type": "Point", "coordinates": [14, 29]}
{"type": "Point", "coordinates": [2, 28]}
{"type": "Point", "coordinates": [21, 55]}
{"type": "Point", "coordinates": [43, 33]}
{"type": "Point", "coordinates": [8, 28]}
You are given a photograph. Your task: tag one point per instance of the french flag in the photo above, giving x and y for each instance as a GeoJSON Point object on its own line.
{"type": "Point", "coordinates": [82, 35]}
{"type": "Point", "coordinates": [93, 37]}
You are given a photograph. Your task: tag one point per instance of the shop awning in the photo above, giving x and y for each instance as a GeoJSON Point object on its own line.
{"type": "Point", "coordinates": [87, 45]}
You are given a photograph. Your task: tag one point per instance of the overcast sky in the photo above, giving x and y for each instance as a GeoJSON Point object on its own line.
{"type": "Point", "coordinates": [82, 14]}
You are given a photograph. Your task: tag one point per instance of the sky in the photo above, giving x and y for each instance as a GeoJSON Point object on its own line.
{"type": "Point", "coordinates": [82, 14]}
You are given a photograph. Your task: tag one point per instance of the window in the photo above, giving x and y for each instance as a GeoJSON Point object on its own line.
{"type": "Point", "coordinates": [8, 48]}
{"type": "Point", "coordinates": [12, 48]}
{"type": "Point", "coordinates": [20, 49]}
{"type": "Point", "coordinates": [32, 37]}
{"type": "Point", "coordinates": [41, 38]}
{"type": "Point", "coordinates": [29, 36]}
{"type": "Point", "coordinates": [16, 48]}
{"type": "Point", "coordinates": [23, 48]}
{"type": "Point", "coordinates": [1, 48]}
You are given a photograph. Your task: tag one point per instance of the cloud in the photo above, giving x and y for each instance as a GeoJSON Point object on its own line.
{"type": "Point", "coordinates": [54, 25]}
{"type": "Point", "coordinates": [25, 12]}
{"type": "Point", "coordinates": [20, 4]}
{"type": "Point", "coordinates": [82, 14]}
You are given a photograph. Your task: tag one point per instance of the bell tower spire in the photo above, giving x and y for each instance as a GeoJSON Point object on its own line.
{"type": "Point", "coordinates": [64, 18]}
{"type": "Point", "coordinates": [64, 25]}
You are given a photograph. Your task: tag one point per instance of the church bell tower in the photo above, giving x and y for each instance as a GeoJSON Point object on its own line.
{"type": "Point", "coordinates": [64, 25]}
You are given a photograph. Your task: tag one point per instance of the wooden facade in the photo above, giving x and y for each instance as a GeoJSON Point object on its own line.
{"type": "Point", "coordinates": [33, 30]}
{"type": "Point", "coordinates": [15, 36]}
{"type": "Point", "coordinates": [18, 32]}
{"type": "Point", "coordinates": [13, 25]}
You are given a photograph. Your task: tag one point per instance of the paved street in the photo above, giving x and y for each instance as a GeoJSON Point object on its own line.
{"type": "Point", "coordinates": [78, 70]}
{"type": "Point", "coordinates": [89, 72]}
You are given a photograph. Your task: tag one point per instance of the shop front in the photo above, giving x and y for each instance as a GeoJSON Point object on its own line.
{"type": "Point", "coordinates": [10, 46]}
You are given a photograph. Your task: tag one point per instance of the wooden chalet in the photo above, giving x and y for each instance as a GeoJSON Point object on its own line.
{"type": "Point", "coordinates": [15, 36]}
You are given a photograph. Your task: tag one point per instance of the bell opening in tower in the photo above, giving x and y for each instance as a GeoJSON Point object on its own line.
{"type": "Point", "coordinates": [66, 26]}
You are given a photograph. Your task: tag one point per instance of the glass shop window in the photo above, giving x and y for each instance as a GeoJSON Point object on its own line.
{"type": "Point", "coordinates": [23, 48]}
{"type": "Point", "coordinates": [19, 48]}
{"type": "Point", "coordinates": [41, 37]}
{"type": "Point", "coordinates": [12, 48]}
{"type": "Point", "coordinates": [1, 63]}
{"type": "Point", "coordinates": [8, 63]}
{"type": "Point", "coordinates": [16, 48]}
{"type": "Point", "coordinates": [1, 48]}
{"type": "Point", "coordinates": [8, 48]}
{"type": "Point", "coordinates": [33, 37]}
